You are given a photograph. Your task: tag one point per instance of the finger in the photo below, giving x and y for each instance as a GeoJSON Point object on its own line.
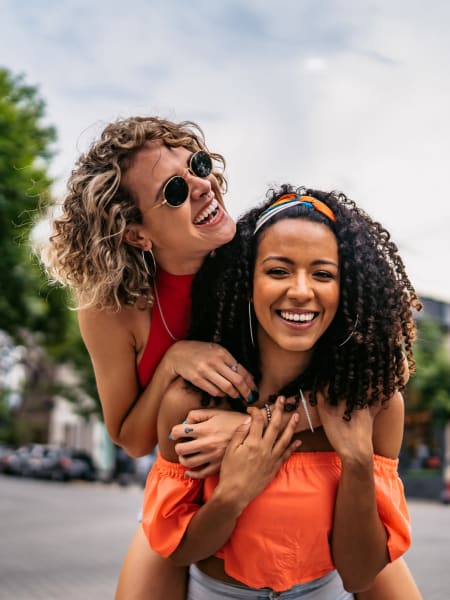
{"type": "Point", "coordinates": [208, 470]}
{"type": "Point", "coordinates": [179, 432]}
{"type": "Point", "coordinates": [206, 385]}
{"type": "Point", "coordinates": [257, 425]}
{"type": "Point", "coordinates": [274, 427]}
{"type": "Point", "coordinates": [285, 439]}
{"type": "Point", "coordinates": [232, 383]}
{"type": "Point", "coordinates": [241, 380]}
{"type": "Point", "coordinates": [201, 414]}
{"type": "Point", "coordinates": [194, 461]}
{"type": "Point", "coordinates": [186, 448]}
{"type": "Point", "coordinates": [241, 433]}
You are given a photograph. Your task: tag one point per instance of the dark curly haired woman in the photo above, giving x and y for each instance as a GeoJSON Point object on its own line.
{"type": "Point", "coordinates": [312, 298]}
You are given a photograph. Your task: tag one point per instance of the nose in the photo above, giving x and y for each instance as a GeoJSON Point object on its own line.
{"type": "Point", "coordinates": [199, 187]}
{"type": "Point", "coordinates": [300, 288]}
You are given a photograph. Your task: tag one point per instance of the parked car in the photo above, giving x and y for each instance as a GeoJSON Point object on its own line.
{"type": "Point", "coordinates": [64, 464]}
{"type": "Point", "coordinates": [25, 460]}
{"type": "Point", "coordinates": [5, 451]}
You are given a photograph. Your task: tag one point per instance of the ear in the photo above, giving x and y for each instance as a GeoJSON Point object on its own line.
{"type": "Point", "coordinates": [133, 236]}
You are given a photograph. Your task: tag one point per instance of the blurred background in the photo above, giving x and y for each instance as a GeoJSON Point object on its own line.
{"type": "Point", "coordinates": [346, 94]}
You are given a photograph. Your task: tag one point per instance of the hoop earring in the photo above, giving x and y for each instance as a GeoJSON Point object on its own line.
{"type": "Point", "coordinates": [350, 335]}
{"type": "Point", "coordinates": [250, 325]}
{"type": "Point", "coordinates": [153, 272]}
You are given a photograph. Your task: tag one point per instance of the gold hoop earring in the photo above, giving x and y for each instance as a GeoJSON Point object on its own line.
{"type": "Point", "coordinates": [150, 273]}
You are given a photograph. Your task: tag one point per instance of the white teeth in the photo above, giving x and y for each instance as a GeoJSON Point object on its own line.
{"type": "Point", "coordinates": [205, 213]}
{"type": "Point", "coordinates": [303, 317]}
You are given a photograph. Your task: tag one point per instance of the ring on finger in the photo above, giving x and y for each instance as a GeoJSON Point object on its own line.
{"type": "Point", "coordinates": [234, 367]}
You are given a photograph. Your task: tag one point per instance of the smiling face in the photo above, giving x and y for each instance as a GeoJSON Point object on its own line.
{"type": "Point", "coordinates": [179, 237]}
{"type": "Point", "coordinates": [295, 286]}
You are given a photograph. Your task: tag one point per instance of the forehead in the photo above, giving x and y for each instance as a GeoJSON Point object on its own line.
{"type": "Point", "coordinates": [299, 237]}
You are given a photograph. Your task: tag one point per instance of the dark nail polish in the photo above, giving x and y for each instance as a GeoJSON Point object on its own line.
{"type": "Point", "coordinates": [253, 396]}
{"type": "Point", "coordinates": [184, 422]}
{"type": "Point", "coordinates": [170, 436]}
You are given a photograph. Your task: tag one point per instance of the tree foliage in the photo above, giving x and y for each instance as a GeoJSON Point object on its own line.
{"type": "Point", "coordinates": [29, 307]}
{"type": "Point", "coordinates": [25, 151]}
{"type": "Point", "coordinates": [430, 386]}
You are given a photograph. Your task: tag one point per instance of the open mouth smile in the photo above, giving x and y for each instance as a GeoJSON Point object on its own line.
{"type": "Point", "coordinates": [210, 214]}
{"type": "Point", "coordinates": [297, 317]}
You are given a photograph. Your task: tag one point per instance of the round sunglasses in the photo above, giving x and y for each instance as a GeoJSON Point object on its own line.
{"type": "Point", "coordinates": [176, 190]}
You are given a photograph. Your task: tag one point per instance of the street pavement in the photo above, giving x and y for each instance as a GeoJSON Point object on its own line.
{"type": "Point", "coordinates": [67, 541]}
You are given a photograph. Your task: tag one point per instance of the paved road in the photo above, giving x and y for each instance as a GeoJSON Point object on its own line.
{"type": "Point", "coordinates": [67, 542]}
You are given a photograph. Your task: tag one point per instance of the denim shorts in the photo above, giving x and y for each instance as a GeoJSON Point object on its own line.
{"type": "Point", "coordinates": [203, 587]}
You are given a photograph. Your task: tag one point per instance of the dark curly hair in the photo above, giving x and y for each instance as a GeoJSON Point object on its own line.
{"type": "Point", "coordinates": [375, 307]}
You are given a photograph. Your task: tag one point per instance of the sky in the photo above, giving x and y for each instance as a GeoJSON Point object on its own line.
{"type": "Point", "coordinates": [351, 95]}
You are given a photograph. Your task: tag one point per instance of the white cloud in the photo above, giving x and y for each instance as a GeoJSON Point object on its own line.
{"type": "Point", "coordinates": [332, 94]}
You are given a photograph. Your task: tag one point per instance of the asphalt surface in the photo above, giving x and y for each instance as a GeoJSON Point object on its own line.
{"type": "Point", "coordinates": [67, 541]}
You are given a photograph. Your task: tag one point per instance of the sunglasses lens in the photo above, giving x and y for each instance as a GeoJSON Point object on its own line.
{"type": "Point", "coordinates": [201, 164]}
{"type": "Point", "coordinates": [176, 191]}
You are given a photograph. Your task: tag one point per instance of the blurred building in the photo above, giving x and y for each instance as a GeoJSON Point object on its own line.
{"type": "Point", "coordinates": [425, 458]}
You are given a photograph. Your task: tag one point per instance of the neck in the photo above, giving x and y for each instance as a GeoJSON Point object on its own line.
{"type": "Point", "coordinates": [179, 264]}
{"type": "Point", "coordinates": [279, 367]}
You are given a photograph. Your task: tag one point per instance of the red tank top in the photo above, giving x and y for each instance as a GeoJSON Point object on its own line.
{"type": "Point", "coordinates": [174, 293]}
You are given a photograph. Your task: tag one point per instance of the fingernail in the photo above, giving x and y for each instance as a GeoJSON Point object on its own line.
{"type": "Point", "coordinates": [170, 436]}
{"type": "Point", "coordinates": [184, 422]}
{"type": "Point", "coordinates": [187, 474]}
{"type": "Point", "coordinates": [253, 397]}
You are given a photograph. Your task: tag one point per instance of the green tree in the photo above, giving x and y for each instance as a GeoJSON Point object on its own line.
{"type": "Point", "coordinates": [429, 389]}
{"type": "Point", "coordinates": [25, 152]}
{"type": "Point", "coordinates": [34, 314]}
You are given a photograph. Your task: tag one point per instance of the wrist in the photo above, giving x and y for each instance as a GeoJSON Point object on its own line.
{"type": "Point", "coordinates": [229, 501]}
{"type": "Point", "coordinates": [171, 358]}
{"type": "Point", "coordinates": [358, 463]}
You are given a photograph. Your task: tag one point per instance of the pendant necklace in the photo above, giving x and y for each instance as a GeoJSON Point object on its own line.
{"type": "Point", "coordinates": [175, 339]}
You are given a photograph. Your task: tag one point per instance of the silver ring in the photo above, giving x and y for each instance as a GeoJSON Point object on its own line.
{"type": "Point", "coordinates": [234, 367]}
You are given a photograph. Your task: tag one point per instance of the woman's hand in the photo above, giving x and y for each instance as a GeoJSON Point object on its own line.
{"type": "Point", "coordinates": [255, 454]}
{"type": "Point", "coordinates": [210, 431]}
{"type": "Point", "coordinates": [351, 439]}
{"type": "Point", "coordinates": [211, 368]}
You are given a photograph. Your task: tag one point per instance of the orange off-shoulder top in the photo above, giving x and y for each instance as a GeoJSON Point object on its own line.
{"type": "Point", "coordinates": [282, 538]}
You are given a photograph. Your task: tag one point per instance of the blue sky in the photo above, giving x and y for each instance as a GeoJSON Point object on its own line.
{"type": "Point", "coordinates": [351, 95]}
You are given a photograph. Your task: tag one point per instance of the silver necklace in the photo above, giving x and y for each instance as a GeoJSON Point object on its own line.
{"type": "Point", "coordinates": [305, 408]}
{"type": "Point", "coordinates": [175, 339]}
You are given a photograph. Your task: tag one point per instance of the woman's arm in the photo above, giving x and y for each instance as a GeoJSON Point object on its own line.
{"type": "Point", "coordinates": [251, 460]}
{"type": "Point", "coordinates": [359, 538]}
{"type": "Point", "coordinates": [130, 414]}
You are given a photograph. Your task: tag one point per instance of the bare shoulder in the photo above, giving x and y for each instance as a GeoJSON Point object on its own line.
{"type": "Point", "coordinates": [388, 427]}
{"type": "Point", "coordinates": [177, 401]}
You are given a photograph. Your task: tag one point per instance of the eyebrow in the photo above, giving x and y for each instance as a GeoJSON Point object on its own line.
{"type": "Point", "coordinates": [285, 259]}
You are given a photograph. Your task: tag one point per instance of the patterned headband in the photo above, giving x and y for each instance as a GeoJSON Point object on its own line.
{"type": "Point", "coordinates": [288, 200]}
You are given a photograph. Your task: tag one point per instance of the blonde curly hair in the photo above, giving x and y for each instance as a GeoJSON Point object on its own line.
{"type": "Point", "coordinates": [86, 250]}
